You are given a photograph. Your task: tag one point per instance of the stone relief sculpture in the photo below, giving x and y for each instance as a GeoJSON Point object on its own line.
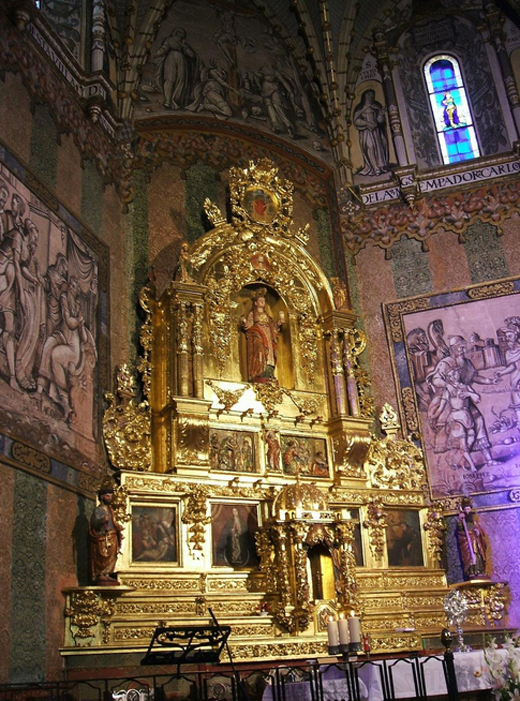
{"type": "Point", "coordinates": [369, 119]}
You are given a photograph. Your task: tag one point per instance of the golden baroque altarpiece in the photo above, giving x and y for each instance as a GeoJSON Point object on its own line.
{"type": "Point", "coordinates": [250, 480]}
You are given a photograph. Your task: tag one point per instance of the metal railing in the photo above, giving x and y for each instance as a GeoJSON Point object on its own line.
{"type": "Point", "coordinates": [310, 681]}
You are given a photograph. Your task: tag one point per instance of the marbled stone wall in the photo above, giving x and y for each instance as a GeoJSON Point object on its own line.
{"type": "Point", "coordinates": [482, 256]}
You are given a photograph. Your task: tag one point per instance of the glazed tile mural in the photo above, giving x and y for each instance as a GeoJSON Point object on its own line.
{"type": "Point", "coordinates": [481, 255]}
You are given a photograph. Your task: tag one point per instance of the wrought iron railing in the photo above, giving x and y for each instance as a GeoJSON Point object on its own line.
{"type": "Point", "coordinates": [372, 679]}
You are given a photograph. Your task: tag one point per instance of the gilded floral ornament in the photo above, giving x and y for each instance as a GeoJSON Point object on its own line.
{"type": "Point", "coordinates": [146, 338]}
{"type": "Point", "coordinates": [119, 505]}
{"type": "Point", "coordinates": [213, 213]}
{"type": "Point", "coordinates": [354, 344]}
{"type": "Point", "coordinates": [270, 395]}
{"type": "Point", "coordinates": [376, 523]}
{"type": "Point", "coordinates": [393, 463]}
{"type": "Point", "coordinates": [435, 527]}
{"type": "Point", "coordinates": [85, 612]}
{"type": "Point", "coordinates": [388, 419]}
{"type": "Point", "coordinates": [127, 425]}
{"type": "Point", "coordinates": [228, 398]}
{"type": "Point", "coordinates": [196, 516]}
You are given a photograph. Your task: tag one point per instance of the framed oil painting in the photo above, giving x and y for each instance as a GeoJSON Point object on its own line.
{"type": "Point", "coordinates": [232, 451]}
{"type": "Point", "coordinates": [52, 360]}
{"type": "Point", "coordinates": [456, 360]}
{"type": "Point", "coordinates": [403, 538]}
{"type": "Point", "coordinates": [233, 529]}
{"type": "Point", "coordinates": [154, 535]}
{"type": "Point", "coordinates": [304, 456]}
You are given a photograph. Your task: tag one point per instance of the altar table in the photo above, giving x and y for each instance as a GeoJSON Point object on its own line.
{"type": "Point", "coordinates": [470, 671]}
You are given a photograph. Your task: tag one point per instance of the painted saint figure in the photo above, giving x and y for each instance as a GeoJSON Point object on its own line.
{"type": "Point", "coordinates": [211, 93]}
{"type": "Point", "coordinates": [273, 452]}
{"type": "Point", "coordinates": [177, 69]}
{"type": "Point", "coordinates": [369, 120]}
{"type": "Point", "coordinates": [450, 114]}
{"type": "Point", "coordinates": [261, 338]}
{"type": "Point", "coordinates": [512, 357]}
{"type": "Point", "coordinates": [66, 351]}
{"type": "Point", "coordinates": [16, 251]}
{"type": "Point", "coordinates": [472, 542]}
{"type": "Point", "coordinates": [438, 411]}
{"type": "Point", "coordinates": [104, 538]}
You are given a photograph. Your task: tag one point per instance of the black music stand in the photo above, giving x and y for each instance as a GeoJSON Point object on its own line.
{"type": "Point", "coordinates": [177, 645]}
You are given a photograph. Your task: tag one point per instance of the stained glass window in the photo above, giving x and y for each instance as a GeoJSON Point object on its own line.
{"type": "Point", "coordinates": [451, 111]}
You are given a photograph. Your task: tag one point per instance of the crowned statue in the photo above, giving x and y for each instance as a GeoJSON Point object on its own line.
{"type": "Point", "coordinates": [261, 332]}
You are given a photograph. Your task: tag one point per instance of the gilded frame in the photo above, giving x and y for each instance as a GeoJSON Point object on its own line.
{"type": "Point", "coordinates": [154, 540]}
{"type": "Point", "coordinates": [233, 527]}
{"type": "Point", "coordinates": [470, 449]}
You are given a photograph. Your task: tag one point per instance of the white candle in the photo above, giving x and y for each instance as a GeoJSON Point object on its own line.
{"type": "Point", "coordinates": [333, 633]}
{"type": "Point", "coordinates": [354, 627]}
{"type": "Point", "coordinates": [344, 633]}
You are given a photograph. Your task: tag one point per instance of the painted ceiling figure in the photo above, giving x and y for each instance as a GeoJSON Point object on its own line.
{"type": "Point", "coordinates": [211, 93]}
{"type": "Point", "coordinates": [177, 69]}
{"type": "Point", "coordinates": [261, 335]}
{"type": "Point", "coordinates": [369, 120]}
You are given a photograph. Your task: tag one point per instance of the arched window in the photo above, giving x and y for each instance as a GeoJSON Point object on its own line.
{"type": "Point", "coordinates": [450, 108]}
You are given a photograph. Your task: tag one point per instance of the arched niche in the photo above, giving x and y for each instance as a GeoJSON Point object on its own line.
{"type": "Point", "coordinates": [278, 311]}
{"type": "Point", "coordinates": [296, 285]}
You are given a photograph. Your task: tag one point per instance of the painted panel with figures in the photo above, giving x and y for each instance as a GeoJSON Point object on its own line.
{"type": "Point", "coordinates": [304, 456]}
{"type": "Point", "coordinates": [232, 451]}
{"type": "Point", "coordinates": [460, 352]}
{"type": "Point", "coordinates": [225, 61]}
{"type": "Point", "coordinates": [49, 325]}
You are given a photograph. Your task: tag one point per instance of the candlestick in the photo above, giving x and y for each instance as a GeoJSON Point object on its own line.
{"type": "Point", "coordinates": [354, 628]}
{"type": "Point", "coordinates": [343, 629]}
{"type": "Point", "coordinates": [333, 636]}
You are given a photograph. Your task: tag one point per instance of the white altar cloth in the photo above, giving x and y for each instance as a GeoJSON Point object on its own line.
{"type": "Point", "coordinates": [470, 671]}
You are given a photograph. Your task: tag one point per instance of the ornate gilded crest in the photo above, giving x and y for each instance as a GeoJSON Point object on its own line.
{"type": "Point", "coordinates": [126, 425]}
{"type": "Point", "coordinates": [260, 197]}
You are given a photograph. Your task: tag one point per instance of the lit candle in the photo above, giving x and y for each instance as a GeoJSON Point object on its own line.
{"type": "Point", "coordinates": [333, 633]}
{"type": "Point", "coordinates": [354, 627]}
{"type": "Point", "coordinates": [343, 628]}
